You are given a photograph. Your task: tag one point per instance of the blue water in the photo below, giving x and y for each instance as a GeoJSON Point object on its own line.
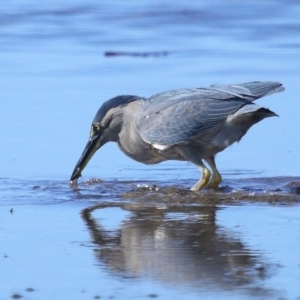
{"type": "Point", "coordinates": [54, 75]}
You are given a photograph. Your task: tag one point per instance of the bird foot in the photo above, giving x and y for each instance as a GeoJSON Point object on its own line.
{"type": "Point", "coordinates": [214, 181]}
{"type": "Point", "coordinates": [212, 185]}
{"type": "Point", "coordinates": [202, 182]}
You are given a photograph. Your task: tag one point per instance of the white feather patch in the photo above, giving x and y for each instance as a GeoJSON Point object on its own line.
{"type": "Point", "coordinates": [160, 147]}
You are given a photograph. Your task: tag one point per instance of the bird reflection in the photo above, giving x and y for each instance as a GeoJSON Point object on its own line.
{"type": "Point", "coordinates": [181, 245]}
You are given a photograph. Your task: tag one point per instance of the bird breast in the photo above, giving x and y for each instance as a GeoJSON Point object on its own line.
{"type": "Point", "coordinates": [132, 144]}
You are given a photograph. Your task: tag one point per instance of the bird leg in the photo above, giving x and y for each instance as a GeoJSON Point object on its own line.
{"type": "Point", "coordinates": [216, 177]}
{"type": "Point", "coordinates": [204, 180]}
{"type": "Point", "coordinates": [188, 154]}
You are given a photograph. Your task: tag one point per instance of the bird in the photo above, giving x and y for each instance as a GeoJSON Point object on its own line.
{"type": "Point", "coordinates": [192, 124]}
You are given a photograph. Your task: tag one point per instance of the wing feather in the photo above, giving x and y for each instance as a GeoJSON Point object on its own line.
{"type": "Point", "coordinates": [180, 116]}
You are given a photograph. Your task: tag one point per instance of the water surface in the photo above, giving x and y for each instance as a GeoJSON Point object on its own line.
{"type": "Point", "coordinates": [128, 230]}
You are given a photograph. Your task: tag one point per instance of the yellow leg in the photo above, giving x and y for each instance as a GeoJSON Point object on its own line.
{"type": "Point", "coordinates": [189, 154]}
{"type": "Point", "coordinates": [216, 177]}
{"type": "Point", "coordinates": [203, 181]}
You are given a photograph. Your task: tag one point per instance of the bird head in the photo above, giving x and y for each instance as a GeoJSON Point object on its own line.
{"type": "Point", "coordinates": [105, 127]}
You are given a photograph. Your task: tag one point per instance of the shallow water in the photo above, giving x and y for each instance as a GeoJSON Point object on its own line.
{"type": "Point", "coordinates": [131, 239]}
{"type": "Point", "coordinates": [134, 231]}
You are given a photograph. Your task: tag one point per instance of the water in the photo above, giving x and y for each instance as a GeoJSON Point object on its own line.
{"type": "Point", "coordinates": [54, 75]}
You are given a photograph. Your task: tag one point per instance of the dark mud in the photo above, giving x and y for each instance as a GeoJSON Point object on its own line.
{"type": "Point", "coordinates": [273, 190]}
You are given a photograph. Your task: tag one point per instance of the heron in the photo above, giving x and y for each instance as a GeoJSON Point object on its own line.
{"type": "Point", "coordinates": [190, 125]}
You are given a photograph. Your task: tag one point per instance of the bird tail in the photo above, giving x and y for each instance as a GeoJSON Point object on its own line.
{"type": "Point", "coordinates": [260, 89]}
{"type": "Point", "coordinates": [251, 114]}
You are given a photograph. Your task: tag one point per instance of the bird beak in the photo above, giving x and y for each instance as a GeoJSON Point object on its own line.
{"type": "Point", "coordinates": [94, 143]}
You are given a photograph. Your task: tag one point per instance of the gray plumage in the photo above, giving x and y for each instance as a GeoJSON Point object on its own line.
{"type": "Point", "coordinates": [187, 124]}
{"type": "Point", "coordinates": [118, 101]}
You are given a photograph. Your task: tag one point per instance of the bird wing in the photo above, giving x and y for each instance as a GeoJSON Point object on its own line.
{"type": "Point", "coordinates": [179, 116]}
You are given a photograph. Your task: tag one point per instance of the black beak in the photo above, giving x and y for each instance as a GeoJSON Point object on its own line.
{"type": "Point", "coordinates": [91, 147]}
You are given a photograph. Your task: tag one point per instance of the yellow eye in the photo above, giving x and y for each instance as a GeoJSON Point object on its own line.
{"type": "Point", "coordinates": [95, 128]}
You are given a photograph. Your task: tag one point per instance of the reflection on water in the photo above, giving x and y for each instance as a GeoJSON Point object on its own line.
{"type": "Point", "coordinates": [178, 245]}
{"type": "Point", "coordinates": [60, 60]}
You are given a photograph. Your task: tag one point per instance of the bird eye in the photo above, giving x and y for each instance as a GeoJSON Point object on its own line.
{"type": "Point", "coordinates": [96, 127]}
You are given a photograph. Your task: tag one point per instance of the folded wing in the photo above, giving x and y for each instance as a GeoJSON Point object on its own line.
{"type": "Point", "coordinates": [177, 117]}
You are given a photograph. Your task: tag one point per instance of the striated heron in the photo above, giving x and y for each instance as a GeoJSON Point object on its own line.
{"type": "Point", "coordinates": [187, 124]}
